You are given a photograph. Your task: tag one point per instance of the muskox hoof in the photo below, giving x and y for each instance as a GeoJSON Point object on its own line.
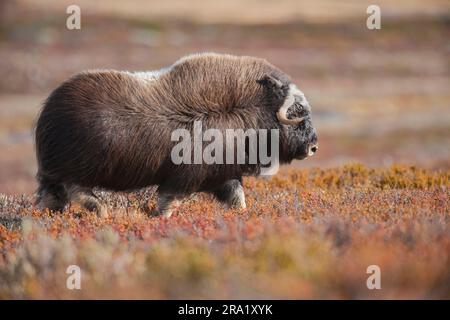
{"type": "Point", "coordinates": [95, 207]}
{"type": "Point", "coordinates": [51, 196]}
{"type": "Point", "coordinates": [88, 200]}
{"type": "Point", "coordinates": [102, 212]}
{"type": "Point", "coordinates": [232, 194]}
{"type": "Point", "coordinates": [237, 203]}
{"type": "Point", "coordinates": [167, 203]}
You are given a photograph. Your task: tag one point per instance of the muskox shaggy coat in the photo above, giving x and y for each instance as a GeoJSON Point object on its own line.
{"type": "Point", "coordinates": [112, 129]}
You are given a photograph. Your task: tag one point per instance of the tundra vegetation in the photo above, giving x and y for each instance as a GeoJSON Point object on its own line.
{"type": "Point", "coordinates": [305, 234]}
{"type": "Point", "coordinates": [376, 193]}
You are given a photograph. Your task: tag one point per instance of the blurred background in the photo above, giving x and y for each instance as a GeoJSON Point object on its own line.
{"type": "Point", "coordinates": [379, 96]}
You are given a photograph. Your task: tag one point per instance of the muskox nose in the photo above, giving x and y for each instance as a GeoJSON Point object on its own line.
{"type": "Point", "coordinates": [312, 149]}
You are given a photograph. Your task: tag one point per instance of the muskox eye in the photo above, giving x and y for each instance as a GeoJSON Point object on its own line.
{"type": "Point", "coordinates": [298, 104]}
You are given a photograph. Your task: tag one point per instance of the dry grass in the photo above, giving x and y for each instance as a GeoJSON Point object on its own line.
{"type": "Point", "coordinates": [306, 234]}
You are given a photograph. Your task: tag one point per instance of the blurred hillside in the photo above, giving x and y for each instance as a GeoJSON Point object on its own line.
{"type": "Point", "coordinates": [379, 97]}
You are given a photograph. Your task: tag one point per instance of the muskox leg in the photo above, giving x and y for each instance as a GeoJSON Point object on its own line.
{"type": "Point", "coordinates": [87, 199]}
{"type": "Point", "coordinates": [167, 202]}
{"type": "Point", "coordinates": [232, 194]}
{"type": "Point", "coordinates": [52, 196]}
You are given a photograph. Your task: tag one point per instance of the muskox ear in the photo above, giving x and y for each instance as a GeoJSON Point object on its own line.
{"type": "Point", "coordinates": [270, 82]}
{"type": "Point", "coordinates": [276, 92]}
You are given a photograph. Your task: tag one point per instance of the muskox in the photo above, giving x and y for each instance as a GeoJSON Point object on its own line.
{"type": "Point", "coordinates": [112, 129]}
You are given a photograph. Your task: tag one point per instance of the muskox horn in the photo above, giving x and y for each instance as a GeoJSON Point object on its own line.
{"type": "Point", "coordinates": [282, 112]}
{"type": "Point", "coordinates": [275, 85]}
{"type": "Point", "coordinates": [281, 115]}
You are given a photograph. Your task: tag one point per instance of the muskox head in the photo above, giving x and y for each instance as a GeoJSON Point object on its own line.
{"type": "Point", "coordinates": [294, 113]}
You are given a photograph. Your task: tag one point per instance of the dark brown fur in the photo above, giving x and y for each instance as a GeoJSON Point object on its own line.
{"type": "Point", "coordinates": [112, 130]}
